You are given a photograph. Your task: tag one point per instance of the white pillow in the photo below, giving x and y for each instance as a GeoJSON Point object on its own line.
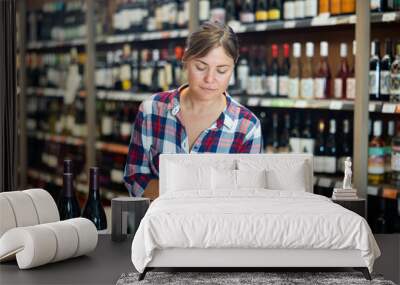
{"type": "Point", "coordinates": [251, 178]}
{"type": "Point", "coordinates": [223, 179]}
{"type": "Point", "coordinates": [185, 177]}
{"type": "Point", "coordinates": [282, 174]}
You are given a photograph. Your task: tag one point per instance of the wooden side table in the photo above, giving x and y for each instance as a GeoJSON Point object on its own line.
{"type": "Point", "coordinates": [357, 205]}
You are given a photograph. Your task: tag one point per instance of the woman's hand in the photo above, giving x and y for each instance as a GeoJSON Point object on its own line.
{"type": "Point", "coordinates": [151, 190]}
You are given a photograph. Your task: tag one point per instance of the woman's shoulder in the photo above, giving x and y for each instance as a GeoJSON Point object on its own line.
{"type": "Point", "coordinates": [242, 113]}
{"type": "Point", "coordinates": [157, 102]}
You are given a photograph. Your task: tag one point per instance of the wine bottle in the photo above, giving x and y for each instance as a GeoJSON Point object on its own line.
{"type": "Point", "coordinates": [311, 8]}
{"type": "Point", "coordinates": [386, 64]}
{"type": "Point", "coordinates": [388, 151]}
{"type": "Point", "coordinates": [345, 146]}
{"type": "Point", "coordinates": [395, 158]}
{"type": "Point", "coordinates": [348, 6]}
{"type": "Point", "coordinates": [284, 138]}
{"type": "Point", "coordinates": [331, 149]}
{"type": "Point", "coordinates": [231, 19]}
{"type": "Point", "coordinates": [274, 11]}
{"type": "Point", "coordinates": [68, 206]}
{"type": "Point", "coordinates": [307, 142]}
{"type": "Point", "coordinates": [319, 149]}
{"type": "Point", "coordinates": [243, 69]}
{"type": "Point", "coordinates": [351, 80]}
{"type": "Point", "coordinates": [93, 209]}
{"type": "Point", "coordinates": [125, 72]}
{"type": "Point", "coordinates": [247, 15]}
{"type": "Point", "coordinates": [307, 80]}
{"type": "Point", "coordinates": [273, 147]}
{"type": "Point", "coordinates": [295, 140]}
{"type": "Point", "coordinates": [322, 82]}
{"type": "Point", "coordinates": [289, 10]}
{"type": "Point", "coordinates": [261, 10]}
{"type": "Point", "coordinates": [272, 78]}
{"type": "Point", "coordinates": [342, 74]}
{"type": "Point", "coordinates": [374, 72]}
{"type": "Point", "coordinates": [294, 73]}
{"type": "Point", "coordinates": [204, 10]}
{"type": "Point", "coordinates": [336, 8]}
{"type": "Point", "coordinates": [284, 73]}
{"type": "Point", "coordinates": [324, 6]}
{"type": "Point", "coordinates": [375, 5]}
{"type": "Point", "coordinates": [299, 9]}
{"type": "Point", "coordinates": [376, 156]}
{"type": "Point", "coordinates": [395, 77]}
{"type": "Point", "coordinates": [217, 13]}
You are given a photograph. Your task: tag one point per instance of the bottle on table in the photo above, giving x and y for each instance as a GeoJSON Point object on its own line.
{"type": "Point", "coordinates": [93, 209]}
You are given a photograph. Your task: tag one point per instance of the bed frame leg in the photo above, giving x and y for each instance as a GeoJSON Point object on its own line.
{"type": "Point", "coordinates": [364, 271]}
{"type": "Point", "coordinates": [143, 274]}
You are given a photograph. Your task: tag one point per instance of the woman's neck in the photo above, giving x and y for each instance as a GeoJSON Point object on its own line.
{"type": "Point", "coordinates": [194, 105]}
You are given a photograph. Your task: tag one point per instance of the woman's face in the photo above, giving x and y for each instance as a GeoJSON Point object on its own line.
{"type": "Point", "coordinates": [209, 76]}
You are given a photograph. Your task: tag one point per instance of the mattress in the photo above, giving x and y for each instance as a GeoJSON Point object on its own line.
{"type": "Point", "coordinates": [251, 219]}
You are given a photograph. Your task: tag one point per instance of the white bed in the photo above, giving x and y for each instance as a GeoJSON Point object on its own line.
{"type": "Point", "coordinates": [202, 219]}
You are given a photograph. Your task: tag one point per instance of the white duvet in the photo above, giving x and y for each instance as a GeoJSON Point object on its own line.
{"type": "Point", "coordinates": [255, 218]}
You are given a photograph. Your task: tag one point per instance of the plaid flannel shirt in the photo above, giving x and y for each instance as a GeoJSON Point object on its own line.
{"type": "Point", "coordinates": [158, 129]}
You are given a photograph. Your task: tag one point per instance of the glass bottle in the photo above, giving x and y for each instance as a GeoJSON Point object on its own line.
{"type": "Point", "coordinates": [343, 73]}
{"type": "Point", "coordinates": [376, 156]}
{"type": "Point", "coordinates": [294, 73]}
{"type": "Point", "coordinates": [307, 76]}
{"type": "Point", "coordinates": [322, 82]}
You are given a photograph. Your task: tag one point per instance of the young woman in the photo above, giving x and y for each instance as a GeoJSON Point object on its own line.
{"type": "Point", "coordinates": [197, 117]}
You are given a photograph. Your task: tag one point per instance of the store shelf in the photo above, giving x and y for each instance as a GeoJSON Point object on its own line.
{"type": "Point", "coordinates": [56, 44]}
{"type": "Point", "coordinates": [112, 147]}
{"type": "Point", "coordinates": [57, 138]}
{"type": "Point", "coordinates": [50, 92]}
{"type": "Point", "coordinates": [146, 36]}
{"type": "Point", "coordinates": [81, 186]}
{"type": "Point", "coordinates": [319, 21]}
{"type": "Point", "coordinates": [122, 96]}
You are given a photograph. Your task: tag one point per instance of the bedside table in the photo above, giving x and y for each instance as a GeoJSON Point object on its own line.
{"type": "Point", "coordinates": [357, 206]}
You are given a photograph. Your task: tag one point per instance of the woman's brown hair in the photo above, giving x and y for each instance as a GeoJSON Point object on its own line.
{"type": "Point", "coordinates": [211, 35]}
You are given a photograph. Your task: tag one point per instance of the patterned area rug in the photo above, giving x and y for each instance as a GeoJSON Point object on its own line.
{"type": "Point", "coordinates": [230, 278]}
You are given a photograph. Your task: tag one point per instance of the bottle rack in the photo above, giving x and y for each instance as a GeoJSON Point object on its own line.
{"type": "Point", "coordinates": [104, 42]}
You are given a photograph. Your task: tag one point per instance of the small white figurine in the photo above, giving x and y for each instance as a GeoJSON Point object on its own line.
{"type": "Point", "coordinates": [347, 174]}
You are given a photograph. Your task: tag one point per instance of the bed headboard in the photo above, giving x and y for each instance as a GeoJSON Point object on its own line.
{"type": "Point", "coordinates": [232, 161]}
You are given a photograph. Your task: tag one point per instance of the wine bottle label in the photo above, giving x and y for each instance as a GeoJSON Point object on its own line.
{"type": "Point", "coordinates": [293, 90]}
{"type": "Point", "coordinates": [243, 76]}
{"type": "Point", "coordinates": [173, 12]}
{"type": "Point", "coordinates": [395, 86]}
{"type": "Point", "coordinates": [338, 90]}
{"type": "Point", "coordinates": [204, 10]}
{"type": "Point", "coordinates": [274, 14]}
{"type": "Point", "coordinates": [288, 10]}
{"type": "Point", "coordinates": [247, 17]}
{"type": "Point", "coordinates": [117, 176]}
{"type": "Point", "coordinates": [218, 15]}
{"type": "Point", "coordinates": [319, 88]}
{"type": "Point", "coordinates": [151, 24]}
{"type": "Point", "coordinates": [311, 8]}
{"type": "Point", "coordinates": [351, 88]}
{"type": "Point", "coordinates": [299, 7]}
{"type": "Point", "coordinates": [178, 75]}
{"type": "Point", "coordinates": [283, 85]}
{"type": "Point", "coordinates": [385, 82]}
{"type": "Point", "coordinates": [373, 82]}
{"type": "Point", "coordinates": [70, 123]}
{"type": "Point", "coordinates": [125, 72]}
{"type": "Point", "coordinates": [375, 4]}
{"type": "Point", "coordinates": [319, 163]}
{"type": "Point", "coordinates": [126, 85]}
{"type": "Point", "coordinates": [261, 85]}
{"type": "Point", "coordinates": [125, 129]}
{"type": "Point", "coordinates": [272, 82]}
{"type": "Point", "coordinates": [162, 83]}
{"type": "Point", "coordinates": [395, 163]}
{"type": "Point", "coordinates": [307, 88]}
{"type": "Point", "coordinates": [52, 160]}
{"type": "Point", "coordinates": [106, 125]}
{"type": "Point", "coordinates": [376, 160]}
{"type": "Point", "coordinates": [251, 87]}
{"type": "Point", "coordinates": [295, 145]}
{"type": "Point", "coordinates": [261, 16]}
{"type": "Point", "coordinates": [330, 164]}
{"type": "Point", "coordinates": [168, 74]}
{"type": "Point", "coordinates": [307, 145]}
